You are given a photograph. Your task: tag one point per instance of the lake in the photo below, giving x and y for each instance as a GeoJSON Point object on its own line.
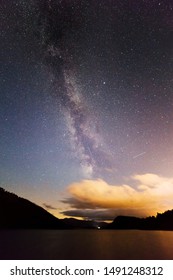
{"type": "Point", "coordinates": [86, 244]}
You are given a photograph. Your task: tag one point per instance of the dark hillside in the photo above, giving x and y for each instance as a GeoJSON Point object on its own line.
{"type": "Point", "coordinates": [162, 221]}
{"type": "Point", "coordinates": [16, 212]}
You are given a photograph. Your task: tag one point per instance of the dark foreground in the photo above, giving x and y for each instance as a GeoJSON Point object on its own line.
{"type": "Point", "coordinates": [85, 244]}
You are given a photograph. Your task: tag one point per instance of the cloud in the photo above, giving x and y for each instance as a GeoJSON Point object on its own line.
{"type": "Point", "coordinates": [97, 215]}
{"type": "Point", "coordinates": [49, 207]}
{"type": "Point", "coordinates": [89, 214]}
{"type": "Point", "coordinates": [153, 193]}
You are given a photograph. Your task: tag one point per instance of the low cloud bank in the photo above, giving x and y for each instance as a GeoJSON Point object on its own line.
{"type": "Point", "coordinates": [96, 199]}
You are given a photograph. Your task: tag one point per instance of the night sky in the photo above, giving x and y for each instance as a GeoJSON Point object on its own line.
{"type": "Point", "coordinates": [86, 105]}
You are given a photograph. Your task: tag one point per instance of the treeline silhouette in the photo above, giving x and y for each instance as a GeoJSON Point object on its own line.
{"type": "Point", "coordinates": [20, 213]}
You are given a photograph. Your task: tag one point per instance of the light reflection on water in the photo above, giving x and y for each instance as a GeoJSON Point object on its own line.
{"type": "Point", "coordinates": [86, 244]}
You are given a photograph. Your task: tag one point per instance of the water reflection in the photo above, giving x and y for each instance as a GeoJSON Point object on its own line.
{"type": "Point", "coordinates": [86, 244]}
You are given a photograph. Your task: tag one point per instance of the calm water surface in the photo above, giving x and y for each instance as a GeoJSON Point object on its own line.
{"type": "Point", "coordinates": [86, 244]}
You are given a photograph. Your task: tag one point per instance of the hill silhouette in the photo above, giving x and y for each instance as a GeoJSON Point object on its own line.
{"type": "Point", "coordinates": [162, 221]}
{"type": "Point", "coordinates": [17, 212]}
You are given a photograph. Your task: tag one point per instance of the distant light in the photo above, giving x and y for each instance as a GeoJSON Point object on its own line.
{"type": "Point", "coordinates": [98, 227]}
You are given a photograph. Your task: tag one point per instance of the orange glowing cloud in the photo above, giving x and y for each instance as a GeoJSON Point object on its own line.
{"type": "Point", "coordinates": [151, 193]}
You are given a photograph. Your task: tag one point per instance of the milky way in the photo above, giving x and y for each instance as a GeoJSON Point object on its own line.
{"type": "Point", "coordinates": [86, 142]}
